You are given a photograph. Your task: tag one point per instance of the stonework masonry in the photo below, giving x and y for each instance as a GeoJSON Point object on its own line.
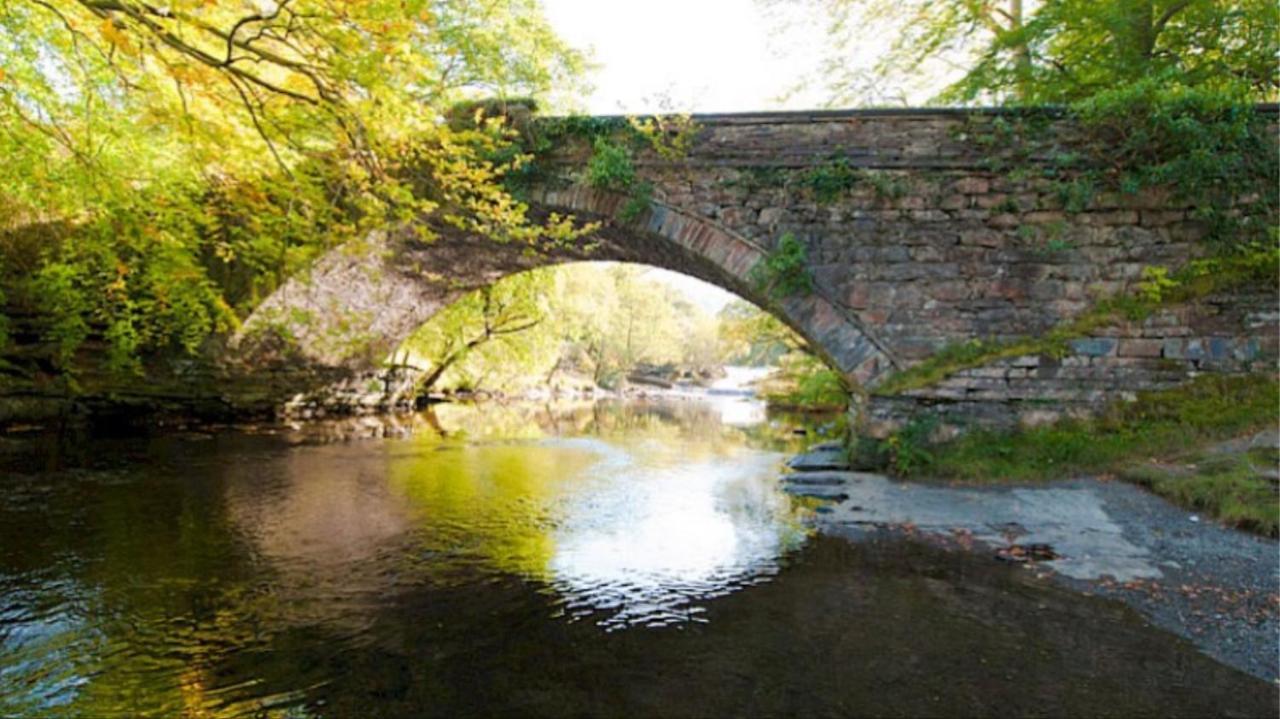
{"type": "Point", "coordinates": [938, 235]}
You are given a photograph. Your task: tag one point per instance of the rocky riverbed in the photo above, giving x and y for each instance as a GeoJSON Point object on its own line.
{"type": "Point", "coordinates": [1216, 586]}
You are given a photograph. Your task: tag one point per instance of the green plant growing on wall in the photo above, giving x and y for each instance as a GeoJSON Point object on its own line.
{"type": "Point", "coordinates": [1155, 283]}
{"type": "Point", "coordinates": [611, 166]}
{"type": "Point", "coordinates": [670, 136]}
{"type": "Point", "coordinates": [639, 201]}
{"type": "Point", "coordinates": [753, 179]}
{"type": "Point", "coordinates": [886, 185]}
{"type": "Point", "coordinates": [830, 180]}
{"type": "Point", "coordinates": [784, 272]}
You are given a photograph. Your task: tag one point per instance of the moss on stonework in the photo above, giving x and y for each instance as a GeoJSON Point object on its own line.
{"type": "Point", "coordinates": [1172, 425]}
{"type": "Point", "coordinates": [1159, 288]}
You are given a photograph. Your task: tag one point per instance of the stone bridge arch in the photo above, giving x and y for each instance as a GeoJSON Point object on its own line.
{"type": "Point", "coordinates": [345, 315]}
{"type": "Point", "coordinates": [923, 228]}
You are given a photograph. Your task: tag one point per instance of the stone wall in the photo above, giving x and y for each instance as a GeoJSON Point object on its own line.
{"type": "Point", "coordinates": [1224, 334]}
{"type": "Point", "coordinates": [958, 250]}
{"type": "Point", "coordinates": [943, 239]}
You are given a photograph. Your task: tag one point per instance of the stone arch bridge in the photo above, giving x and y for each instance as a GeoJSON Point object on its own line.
{"type": "Point", "coordinates": [919, 233]}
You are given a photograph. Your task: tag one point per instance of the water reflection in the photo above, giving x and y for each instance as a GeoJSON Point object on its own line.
{"type": "Point", "coordinates": [656, 508]}
{"type": "Point", "coordinates": [665, 533]}
{"type": "Point", "coordinates": [495, 560]}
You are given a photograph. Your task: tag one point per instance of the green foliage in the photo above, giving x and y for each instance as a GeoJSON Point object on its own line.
{"type": "Point", "coordinates": [1055, 52]}
{"type": "Point", "coordinates": [1210, 408]}
{"type": "Point", "coordinates": [753, 179]}
{"type": "Point", "coordinates": [638, 202]}
{"type": "Point", "coordinates": [830, 180]}
{"type": "Point", "coordinates": [886, 186]}
{"type": "Point", "coordinates": [610, 167]}
{"type": "Point", "coordinates": [941, 364]}
{"type": "Point", "coordinates": [803, 382]}
{"type": "Point", "coordinates": [150, 195]}
{"type": "Point", "coordinates": [754, 337]}
{"type": "Point", "coordinates": [670, 136]}
{"type": "Point", "coordinates": [1077, 194]}
{"type": "Point", "coordinates": [1155, 282]}
{"type": "Point", "coordinates": [784, 272]}
{"type": "Point", "coordinates": [61, 287]}
{"type": "Point", "coordinates": [837, 177]}
{"type": "Point", "coordinates": [1208, 146]}
{"type": "Point", "coordinates": [907, 451]}
{"type": "Point", "coordinates": [1227, 487]}
{"type": "Point", "coordinates": [594, 322]}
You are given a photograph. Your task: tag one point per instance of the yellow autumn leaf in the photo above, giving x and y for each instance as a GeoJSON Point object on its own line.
{"type": "Point", "coordinates": [112, 34]}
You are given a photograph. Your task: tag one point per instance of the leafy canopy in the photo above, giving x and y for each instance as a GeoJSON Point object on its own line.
{"type": "Point", "coordinates": [1045, 51]}
{"type": "Point", "coordinates": [167, 165]}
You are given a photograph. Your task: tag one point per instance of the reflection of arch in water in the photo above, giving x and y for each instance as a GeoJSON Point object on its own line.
{"type": "Point", "coordinates": [341, 524]}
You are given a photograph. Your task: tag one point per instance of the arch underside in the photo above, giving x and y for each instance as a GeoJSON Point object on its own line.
{"type": "Point", "coordinates": [358, 303]}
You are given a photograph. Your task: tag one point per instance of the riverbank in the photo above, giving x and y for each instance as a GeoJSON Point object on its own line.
{"type": "Point", "coordinates": [1215, 586]}
{"type": "Point", "coordinates": [1211, 446]}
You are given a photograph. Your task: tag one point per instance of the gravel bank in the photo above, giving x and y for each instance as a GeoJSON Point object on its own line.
{"type": "Point", "coordinates": [1218, 587]}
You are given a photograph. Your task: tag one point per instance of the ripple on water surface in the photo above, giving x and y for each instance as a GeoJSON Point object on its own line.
{"type": "Point", "coordinates": [598, 559]}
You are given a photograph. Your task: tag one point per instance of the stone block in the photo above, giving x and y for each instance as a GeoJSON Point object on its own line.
{"type": "Point", "coordinates": [1140, 348]}
{"type": "Point", "coordinates": [1160, 218]}
{"type": "Point", "coordinates": [971, 186]}
{"type": "Point", "coordinates": [1044, 217]}
{"type": "Point", "coordinates": [1220, 348]}
{"type": "Point", "coordinates": [771, 216]}
{"type": "Point", "coordinates": [1195, 349]}
{"type": "Point", "coordinates": [1247, 350]}
{"type": "Point", "coordinates": [991, 201]}
{"type": "Point", "coordinates": [1038, 418]}
{"type": "Point", "coordinates": [1094, 346]}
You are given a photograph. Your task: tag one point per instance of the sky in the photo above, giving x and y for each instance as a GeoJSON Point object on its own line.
{"type": "Point", "coordinates": [687, 56]}
{"type": "Point", "coordinates": [698, 55]}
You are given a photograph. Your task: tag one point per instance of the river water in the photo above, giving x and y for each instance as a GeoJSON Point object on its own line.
{"type": "Point", "coordinates": [628, 558]}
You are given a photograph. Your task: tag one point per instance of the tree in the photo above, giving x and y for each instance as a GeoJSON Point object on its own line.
{"type": "Point", "coordinates": [166, 165]}
{"type": "Point", "coordinates": [755, 337]}
{"type": "Point", "coordinates": [600, 320]}
{"type": "Point", "coordinates": [492, 323]}
{"type": "Point", "coordinates": [1050, 51]}
{"type": "Point", "coordinates": [801, 380]}
{"type": "Point", "coordinates": [1079, 48]}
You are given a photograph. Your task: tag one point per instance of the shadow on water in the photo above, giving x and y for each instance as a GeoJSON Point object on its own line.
{"type": "Point", "coordinates": [615, 558]}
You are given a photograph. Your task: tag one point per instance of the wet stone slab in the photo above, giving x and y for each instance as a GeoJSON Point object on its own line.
{"type": "Point", "coordinates": [1071, 520]}
{"type": "Point", "coordinates": [821, 457]}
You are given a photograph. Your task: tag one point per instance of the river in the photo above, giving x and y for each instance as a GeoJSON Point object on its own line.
{"type": "Point", "coordinates": [618, 557]}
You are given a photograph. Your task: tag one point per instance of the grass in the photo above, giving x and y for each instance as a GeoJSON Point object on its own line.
{"type": "Point", "coordinates": [1226, 487]}
{"type": "Point", "coordinates": [1169, 424]}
